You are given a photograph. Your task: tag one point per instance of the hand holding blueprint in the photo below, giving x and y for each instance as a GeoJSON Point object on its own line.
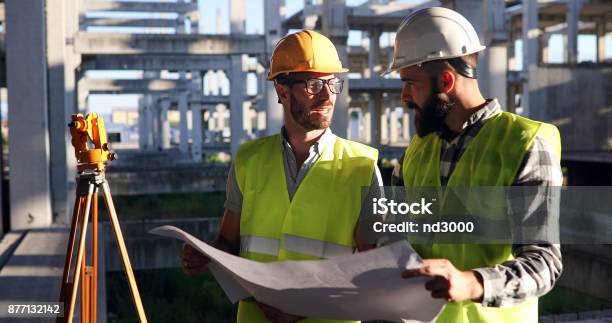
{"type": "Point", "coordinates": [363, 286]}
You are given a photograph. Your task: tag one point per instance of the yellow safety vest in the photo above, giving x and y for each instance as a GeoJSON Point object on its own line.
{"type": "Point", "coordinates": [492, 158]}
{"type": "Point", "coordinates": [319, 221]}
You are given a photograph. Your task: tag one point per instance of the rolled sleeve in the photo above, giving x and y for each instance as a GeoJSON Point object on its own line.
{"type": "Point", "coordinates": [233, 195]}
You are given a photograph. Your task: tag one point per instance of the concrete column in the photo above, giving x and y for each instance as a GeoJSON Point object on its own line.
{"type": "Point", "coordinates": [494, 60]}
{"type": "Point", "coordinates": [261, 121]}
{"type": "Point", "coordinates": [573, 18]}
{"type": "Point", "coordinates": [82, 94]}
{"type": "Point", "coordinates": [72, 61]}
{"type": "Point", "coordinates": [335, 26]}
{"type": "Point", "coordinates": [472, 10]}
{"type": "Point", "coordinates": [2, 202]}
{"type": "Point", "coordinates": [142, 125]}
{"type": "Point", "coordinates": [237, 94]}
{"type": "Point", "coordinates": [544, 40]}
{"type": "Point", "coordinates": [60, 110]}
{"type": "Point", "coordinates": [220, 80]}
{"type": "Point", "coordinates": [196, 131]}
{"type": "Point", "coordinates": [150, 124]}
{"type": "Point", "coordinates": [26, 74]}
{"type": "Point", "coordinates": [247, 123]}
{"type": "Point", "coordinates": [237, 13]}
{"type": "Point", "coordinates": [212, 119]}
{"type": "Point", "coordinates": [196, 82]}
{"type": "Point", "coordinates": [601, 39]}
{"type": "Point", "coordinates": [220, 122]}
{"type": "Point", "coordinates": [373, 54]}
{"type": "Point", "coordinates": [159, 126]}
{"type": "Point", "coordinates": [309, 15]}
{"type": "Point", "coordinates": [272, 26]}
{"type": "Point", "coordinates": [367, 122]}
{"type": "Point", "coordinates": [393, 126]}
{"type": "Point", "coordinates": [183, 127]}
{"type": "Point", "coordinates": [405, 124]}
{"type": "Point", "coordinates": [384, 127]}
{"type": "Point", "coordinates": [165, 125]}
{"type": "Point", "coordinates": [374, 108]}
{"type": "Point", "coordinates": [530, 51]}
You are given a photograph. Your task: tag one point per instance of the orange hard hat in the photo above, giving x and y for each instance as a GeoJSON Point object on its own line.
{"type": "Point", "coordinates": [304, 51]}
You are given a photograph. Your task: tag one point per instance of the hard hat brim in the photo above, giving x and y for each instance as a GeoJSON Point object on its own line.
{"type": "Point", "coordinates": [395, 65]}
{"type": "Point", "coordinates": [271, 77]}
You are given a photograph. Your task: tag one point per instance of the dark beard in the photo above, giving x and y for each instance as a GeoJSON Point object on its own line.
{"type": "Point", "coordinates": [300, 114]}
{"type": "Point", "coordinates": [432, 115]}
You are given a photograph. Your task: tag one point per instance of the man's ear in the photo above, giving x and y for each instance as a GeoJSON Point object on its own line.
{"type": "Point", "coordinates": [282, 91]}
{"type": "Point", "coordinates": [447, 82]}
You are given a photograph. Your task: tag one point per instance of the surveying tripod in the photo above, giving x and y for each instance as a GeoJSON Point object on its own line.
{"type": "Point", "coordinates": [90, 180]}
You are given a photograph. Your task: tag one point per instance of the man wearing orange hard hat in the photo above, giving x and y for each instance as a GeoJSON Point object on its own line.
{"type": "Point", "coordinates": [296, 195]}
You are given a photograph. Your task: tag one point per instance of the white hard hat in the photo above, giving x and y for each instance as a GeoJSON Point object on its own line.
{"type": "Point", "coordinates": [432, 34]}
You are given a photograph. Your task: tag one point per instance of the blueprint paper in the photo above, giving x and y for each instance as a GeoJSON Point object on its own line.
{"type": "Point", "coordinates": [362, 286]}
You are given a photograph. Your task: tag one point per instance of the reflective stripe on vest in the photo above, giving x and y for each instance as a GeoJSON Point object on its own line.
{"type": "Point", "coordinates": [293, 243]}
{"type": "Point", "coordinates": [492, 158]}
{"type": "Point", "coordinates": [316, 248]}
{"type": "Point", "coordinates": [267, 246]}
{"type": "Point", "coordinates": [319, 221]}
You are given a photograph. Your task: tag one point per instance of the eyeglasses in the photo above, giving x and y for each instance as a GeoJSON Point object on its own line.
{"type": "Point", "coordinates": [315, 86]}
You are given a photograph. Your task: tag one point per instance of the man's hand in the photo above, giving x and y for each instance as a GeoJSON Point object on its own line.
{"type": "Point", "coordinates": [276, 315]}
{"type": "Point", "coordinates": [192, 261]}
{"type": "Point", "coordinates": [448, 282]}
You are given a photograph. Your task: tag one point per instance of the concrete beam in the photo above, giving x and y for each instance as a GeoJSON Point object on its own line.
{"type": "Point", "coordinates": [375, 84]}
{"type": "Point", "coordinates": [123, 44]}
{"type": "Point", "coordinates": [30, 192]}
{"type": "Point", "coordinates": [126, 22]}
{"type": "Point", "coordinates": [387, 17]}
{"type": "Point", "coordinates": [218, 99]}
{"type": "Point", "coordinates": [104, 86]}
{"type": "Point", "coordinates": [154, 62]}
{"type": "Point", "coordinates": [180, 7]}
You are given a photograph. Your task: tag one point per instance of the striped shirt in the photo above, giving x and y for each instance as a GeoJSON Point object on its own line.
{"type": "Point", "coordinates": [535, 267]}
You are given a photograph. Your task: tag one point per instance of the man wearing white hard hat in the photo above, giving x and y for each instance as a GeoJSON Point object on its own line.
{"type": "Point", "coordinates": [296, 195]}
{"type": "Point", "coordinates": [466, 140]}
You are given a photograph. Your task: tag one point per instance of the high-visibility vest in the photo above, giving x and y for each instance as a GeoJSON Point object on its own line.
{"type": "Point", "coordinates": [319, 221]}
{"type": "Point", "coordinates": [492, 158]}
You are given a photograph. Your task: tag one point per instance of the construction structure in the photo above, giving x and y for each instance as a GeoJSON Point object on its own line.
{"type": "Point", "coordinates": [53, 52]}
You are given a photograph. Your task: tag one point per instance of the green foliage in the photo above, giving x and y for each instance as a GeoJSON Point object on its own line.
{"type": "Point", "coordinates": [168, 295]}
{"type": "Point", "coordinates": [218, 158]}
{"type": "Point", "coordinates": [169, 206]}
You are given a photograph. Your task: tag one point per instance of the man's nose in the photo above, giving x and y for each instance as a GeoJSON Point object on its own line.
{"type": "Point", "coordinates": [326, 91]}
{"type": "Point", "coordinates": [406, 95]}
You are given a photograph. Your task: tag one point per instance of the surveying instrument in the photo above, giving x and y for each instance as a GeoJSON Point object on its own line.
{"type": "Point", "coordinates": [91, 163]}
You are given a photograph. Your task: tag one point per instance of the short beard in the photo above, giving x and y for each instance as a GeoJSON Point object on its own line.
{"type": "Point", "coordinates": [433, 113]}
{"type": "Point", "coordinates": [300, 114]}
